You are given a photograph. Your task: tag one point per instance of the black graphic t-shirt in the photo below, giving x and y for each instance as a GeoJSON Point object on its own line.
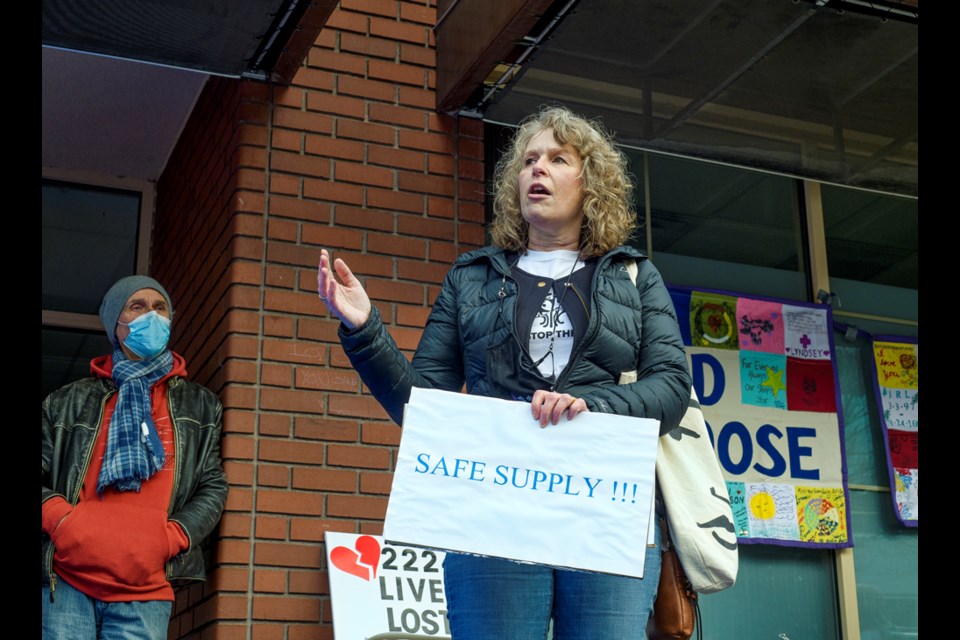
{"type": "Point", "coordinates": [553, 308]}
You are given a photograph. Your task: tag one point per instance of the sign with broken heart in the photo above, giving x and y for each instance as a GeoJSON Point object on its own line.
{"type": "Point", "coordinates": [479, 475]}
{"type": "Point", "coordinates": [377, 587]}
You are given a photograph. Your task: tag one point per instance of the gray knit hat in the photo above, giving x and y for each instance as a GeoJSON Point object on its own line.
{"type": "Point", "coordinates": [117, 296]}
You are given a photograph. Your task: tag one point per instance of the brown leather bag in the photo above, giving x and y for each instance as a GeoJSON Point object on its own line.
{"type": "Point", "coordinates": [675, 611]}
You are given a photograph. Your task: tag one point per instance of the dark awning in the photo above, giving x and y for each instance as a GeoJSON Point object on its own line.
{"type": "Point", "coordinates": [254, 39]}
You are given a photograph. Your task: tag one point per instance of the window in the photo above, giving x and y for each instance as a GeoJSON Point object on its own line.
{"type": "Point", "coordinates": [872, 250]}
{"type": "Point", "coordinates": [717, 226]}
{"type": "Point", "coordinates": [92, 235]}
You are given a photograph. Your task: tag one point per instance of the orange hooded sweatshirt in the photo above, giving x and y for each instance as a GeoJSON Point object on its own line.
{"type": "Point", "coordinates": [114, 547]}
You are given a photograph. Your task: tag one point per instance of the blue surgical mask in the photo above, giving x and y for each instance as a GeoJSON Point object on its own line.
{"type": "Point", "coordinates": [149, 334]}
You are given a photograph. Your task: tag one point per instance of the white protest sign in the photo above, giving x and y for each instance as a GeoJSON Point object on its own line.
{"type": "Point", "coordinates": [479, 475]}
{"type": "Point", "coordinates": [377, 587]}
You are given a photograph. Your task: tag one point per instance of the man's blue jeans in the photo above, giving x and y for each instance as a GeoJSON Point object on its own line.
{"type": "Point", "coordinates": [494, 598]}
{"type": "Point", "coordinates": [74, 615]}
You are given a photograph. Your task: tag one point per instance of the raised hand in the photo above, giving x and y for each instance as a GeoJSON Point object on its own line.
{"type": "Point", "coordinates": [347, 301]}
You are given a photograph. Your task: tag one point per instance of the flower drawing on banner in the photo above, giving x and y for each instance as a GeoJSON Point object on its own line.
{"type": "Point", "coordinates": [361, 561]}
{"type": "Point", "coordinates": [909, 363]}
{"type": "Point", "coordinates": [897, 365]}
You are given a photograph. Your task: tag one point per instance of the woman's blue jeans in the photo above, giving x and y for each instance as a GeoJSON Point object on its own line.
{"type": "Point", "coordinates": [494, 598]}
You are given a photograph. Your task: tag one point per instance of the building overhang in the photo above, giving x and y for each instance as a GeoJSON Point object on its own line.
{"type": "Point", "coordinates": [822, 89]}
{"type": "Point", "coordinates": [253, 39]}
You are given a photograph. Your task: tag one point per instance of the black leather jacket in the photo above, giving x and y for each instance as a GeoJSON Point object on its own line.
{"type": "Point", "coordinates": [470, 337]}
{"type": "Point", "coordinates": [72, 418]}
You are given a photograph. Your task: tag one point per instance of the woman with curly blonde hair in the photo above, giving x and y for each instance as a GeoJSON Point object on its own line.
{"type": "Point", "coordinates": [608, 219]}
{"type": "Point", "coordinates": [558, 313]}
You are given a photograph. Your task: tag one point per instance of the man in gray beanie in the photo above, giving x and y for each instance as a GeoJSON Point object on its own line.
{"type": "Point", "coordinates": [132, 479]}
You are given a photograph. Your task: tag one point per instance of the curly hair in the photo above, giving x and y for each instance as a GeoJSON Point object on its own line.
{"type": "Point", "coordinates": [608, 215]}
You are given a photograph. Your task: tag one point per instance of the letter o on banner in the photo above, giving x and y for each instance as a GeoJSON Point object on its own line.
{"type": "Point", "coordinates": [728, 431]}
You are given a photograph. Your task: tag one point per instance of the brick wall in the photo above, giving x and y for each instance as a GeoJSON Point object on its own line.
{"type": "Point", "coordinates": [350, 157]}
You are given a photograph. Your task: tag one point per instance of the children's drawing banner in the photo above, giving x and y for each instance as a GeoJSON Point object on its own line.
{"type": "Point", "coordinates": [377, 588]}
{"type": "Point", "coordinates": [896, 362]}
{"type": "Point", "coordinates": [478, 475]}
{"type": "Point", "coordinates": [766, 376]}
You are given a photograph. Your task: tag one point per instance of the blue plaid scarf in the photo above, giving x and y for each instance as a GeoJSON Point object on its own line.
{"type": "Point", "coordinates": [134, 451]}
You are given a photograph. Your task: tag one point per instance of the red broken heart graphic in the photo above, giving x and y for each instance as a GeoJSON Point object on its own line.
{"type": "Point", "coordinates": [363, 564]}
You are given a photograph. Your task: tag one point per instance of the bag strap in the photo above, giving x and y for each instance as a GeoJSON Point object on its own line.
{"type": "Point", "coordinates": [666, 542]}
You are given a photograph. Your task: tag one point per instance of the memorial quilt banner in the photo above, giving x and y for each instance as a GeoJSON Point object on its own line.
{"type": "Point", "coordinates": [765, 373]}
{"type": "Point", "coordinates": [478, 475]}
{"type": "Point", "coordinates": [897, 386]}
{"type": "Point", "coordinates": [380, 588]}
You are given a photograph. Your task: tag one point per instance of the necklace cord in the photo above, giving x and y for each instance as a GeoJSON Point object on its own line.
{"type": "Point", "coordinates": [558, 307]}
